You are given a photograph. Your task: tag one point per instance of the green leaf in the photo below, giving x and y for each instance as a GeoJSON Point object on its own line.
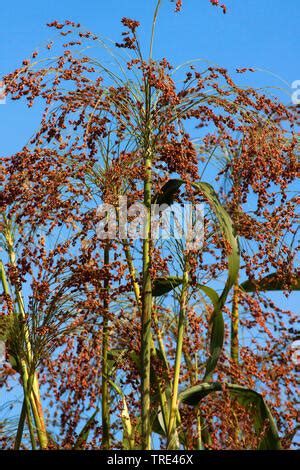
{"type": "Point", "coordinates": [163, 285]}
{"type": "Point", "coordinates": [269, 283]}
{"type": "Point", "coordinates": [114, 359]}
{"type": "Point", "coordinates": [193, 395]}
{"type": "Point", "coordinates": [14, 362]}
{"type": "Point", "coordinates": [233, 256]}
{"type": "Point", "coordinates": [158, 426]}
{"type": "Point", "coordinates": [246, 397]}
{"type": "Point", "coordinates": [116, 356]}
{"type": "Point", "coordinates": [9, 331]}
{"type": "Point", "coordinates": [157, 422]}
{"type": "Point", "coordinates": [128, 430]}
{"type": "Point", "coordinates": [7, 323]}
{"type": "Point", "coordinates": [227, 228]}
{"type": "Point", "coordinates": [84, 433]}
{"type": "Point", "coordinates": [211, 293]}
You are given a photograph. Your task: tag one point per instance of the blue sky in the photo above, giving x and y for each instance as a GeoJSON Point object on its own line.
{"type": "Point", "coordinates": [255, 33]}
{"type": "Point", "coordinates": [260, 33]}
{"type": "Point", "coordinates": [263, 34]}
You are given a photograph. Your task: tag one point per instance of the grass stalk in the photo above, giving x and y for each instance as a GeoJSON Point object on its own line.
{"type": "Point", "coordinates": [31, 393]}
{"type": "Point", "coordinates": [146, 314]}
{"type": "Point", "coordinates": [27, 400]}
{"type": "Point", "coordinates": [31, 404]}
{"type": "Point", "coordinates": [234, 345]}
{"type": "Point", "coordinates": [136, 290]}
{"type": "Point", "coordinates": [105, 345]}
{"type": "Point", "coordinates": [177, 366]}
{"type": "Point", "coordinates": [199, 431]}
{"type": "Point", "coordinates": [147, 283]}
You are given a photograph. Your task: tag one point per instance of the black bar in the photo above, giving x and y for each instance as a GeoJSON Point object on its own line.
{"type": "Point", "coordinates": [145, 459]}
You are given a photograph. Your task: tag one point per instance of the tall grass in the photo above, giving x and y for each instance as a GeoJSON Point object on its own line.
{"type": "Point", "coordinates": [144, 336]}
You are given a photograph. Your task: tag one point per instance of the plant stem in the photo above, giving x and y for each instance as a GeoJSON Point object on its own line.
{"type": "Point", "coordinates": [26, 403]}
{"type": "Point", "coordinates": [37, 412]}
{"type": "Point", "coordinates": [25, 409]}
{"type": "Point", "coordinates": [105, 371]}
{"type": "Point", "coordinates": [28, 381]}
{"type": "Point", "coordinates": [136, 290]}
{"type": "Point", "coordinates": [3, 279]}
{"type": "Point", "coordinates": [181, 322]}
{"type": "Point", "coordinates": [158, 5]}
{"type": "Point", "coordinates": [146, 311]}
{"type": "Point", "coordinates": [30, 425]}
{"type": "Point", "coordinates": [35, 401]}
{"type": "Point", "coordinates": [25, 412]}
{"type": "Point", "coordinates": [131, 268]}
{"type": "Point", "coordinates": [199, 431]}
{"type": "Point", "coordinates": [234, 347]}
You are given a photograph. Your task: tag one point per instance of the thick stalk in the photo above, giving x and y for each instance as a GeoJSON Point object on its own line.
{"type": "Point", "coordinates": [3, 279]}
{"type": "Point", "coordinates": [181, 325]}
{"type": "Point", "coordinates": [160, 341]}
{"type": "Point", "coordinates": [199, 422]}
{"type": "Point", "coordinates": [199, 431]}
{"type": "Point", "coordinates": [234, 343]}
{"type": "Point", "coordinates": [136, 290]}
{"type": "Point", "coordinates": [37, 411]}
{"type": "Point", "coordinates": [34, 393]}
{"type": "Point", "coordinates": [146, 311]}
{"type": "Point", "coordinates": [131, 268]}
{"type": "Point", "coordinates": [30, 424]}
{"type": "Point", "coordinates": [27, 400]}
{"type": "Point", "coordinates": [26, 404]}
{"type": "Point", "coordinates": [105, 371]}
{"type": "Point", "coordinates": [234, 347]}
{"type": "Point", "coordinates": [30, 401]}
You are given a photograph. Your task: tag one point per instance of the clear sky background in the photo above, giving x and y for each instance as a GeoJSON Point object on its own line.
{"type": "Point", "coordinates": [263, 34]}
{"type": "Point", "coordinates": [254, 33]}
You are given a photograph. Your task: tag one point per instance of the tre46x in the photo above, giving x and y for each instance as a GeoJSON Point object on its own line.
{"type": "Point", "coordinates": [169, 459]}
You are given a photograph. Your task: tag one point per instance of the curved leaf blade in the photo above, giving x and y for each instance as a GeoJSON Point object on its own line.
{"type": "Point", "coordinates": [211, 293]}
{"type": "Point", "coordinates": [269, 283]}
{"type": "Point", "coordinates": [84, 433]}
{"type": "Point", "coordinates": [262, 415]}
{"type": "Point", "coordinates": [128, 430]}
{"type": "Point", "coordinates": [163, 285]}
{"type": "Point", "coordinates": [227, 228]}
{"type": "Point", "coordinates": [228, 232]}
{"type": "Point", "coordinates": [167, 193]}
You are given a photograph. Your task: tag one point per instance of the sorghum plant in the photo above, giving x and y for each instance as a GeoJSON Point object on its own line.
{"type": "Point", "coordinates": [118, 340]}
